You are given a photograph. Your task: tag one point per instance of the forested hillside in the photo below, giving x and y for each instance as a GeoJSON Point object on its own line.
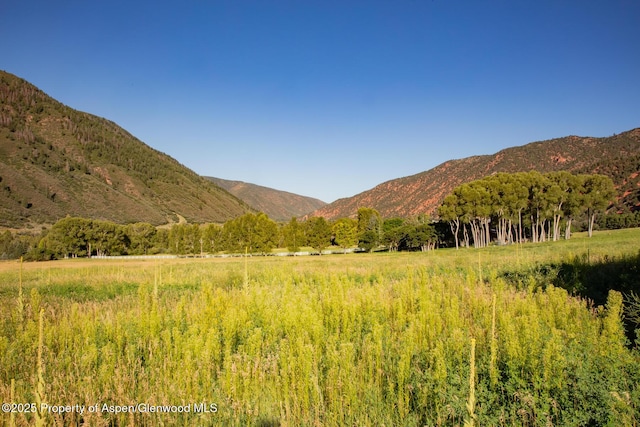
{"type": "Point", "coordinates": [625, 172]}
{"type": "Point", "coordinates": [56, 161]}
{"type": "Point", "coordinates": [617, 156]}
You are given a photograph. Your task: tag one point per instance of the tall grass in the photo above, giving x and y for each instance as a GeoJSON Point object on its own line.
{"type": "Point", "coordinates": [441, 338]}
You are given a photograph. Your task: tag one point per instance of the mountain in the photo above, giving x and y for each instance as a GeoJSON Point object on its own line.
{"type": "Point", "coordinates": [617, 156]}
{"type": "Point", "coordinates": [278, 205]}
{"type": "Point", "coordinates": [625, 173]}
{"type": "Point", "coordinates": [56, 161]}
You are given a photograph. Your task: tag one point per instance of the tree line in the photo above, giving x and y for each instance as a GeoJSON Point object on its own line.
{"type": "Point", "coordinates": [502, 208]}
{"type": "Point", "coordinates": [73, 237]}
{"type": "Point", "coordinates": [525, 206]}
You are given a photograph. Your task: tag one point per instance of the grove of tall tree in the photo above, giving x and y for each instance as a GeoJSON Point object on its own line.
{"type": "Point", "coordinates": [524, 206]}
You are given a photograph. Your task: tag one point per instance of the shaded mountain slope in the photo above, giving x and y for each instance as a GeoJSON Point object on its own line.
{"type": "Point", "coordinates": [278, 205]}
{"type": "Point", "coordinates": [423, 192]}
{"type": "Point", "coordinates": [56, 161]}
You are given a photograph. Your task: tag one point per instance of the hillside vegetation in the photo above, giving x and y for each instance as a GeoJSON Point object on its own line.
{"type": "Point", "coordinates": [502, 209]}
{"type": "Point", "coordinates": [276, 204]}
{"type": "Point", "coordinates": [617, 156]}
{"type": "Point", "coordinates": [624, 170]}
{"type": "Point", "coordinates": [56, 161]}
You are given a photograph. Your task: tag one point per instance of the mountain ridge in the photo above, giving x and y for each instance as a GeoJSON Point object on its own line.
{"type": "Point", "coordinates": [277, 204]}
{"type": "Point", "coordinates": [423, 192]}
{"type": "Point", "coordinates": [57, 161]}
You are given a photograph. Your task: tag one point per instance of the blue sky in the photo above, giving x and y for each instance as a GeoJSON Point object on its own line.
{"type": "Point", "coordinates": [329, 98]}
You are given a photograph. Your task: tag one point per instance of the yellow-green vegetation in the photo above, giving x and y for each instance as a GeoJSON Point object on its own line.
{"type": "Point", "coordinates": [448, 337]}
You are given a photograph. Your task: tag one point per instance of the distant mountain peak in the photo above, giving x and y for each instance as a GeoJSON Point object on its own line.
{"type": "Point", "coordinates": [277, 204]}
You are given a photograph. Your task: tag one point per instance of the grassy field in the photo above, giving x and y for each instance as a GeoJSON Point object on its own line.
{"type": "Point", "coordinates": [468, 337]}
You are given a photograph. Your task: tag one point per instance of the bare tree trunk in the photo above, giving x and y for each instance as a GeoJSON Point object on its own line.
{"type": "Point", "coordinates": [465, 235]}
{"type": "Point", "coordinates": [476, 231]}
{"type": "Point", "coordinates": [520, 226]}
{"type": "Point", "coordinates": [567, 231]}
{"type": "Point", "coordinates": [474, 234]}
{"type": "Point", "coordinates": [487, 238]}
{"type": "Point", "coordinates": [455, 222]}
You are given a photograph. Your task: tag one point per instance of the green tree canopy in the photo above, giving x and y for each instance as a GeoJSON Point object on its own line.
{"type": "Point", "coordinates": [345, 232]}
{"type": "Point", "coordinates": [369, 228]}
{"type": "Point", "coordinates": [318, 233]}
{"type": "Point", "coordinates": [293, 235]}
{"type": "Point", "coordinates": [525, 203]}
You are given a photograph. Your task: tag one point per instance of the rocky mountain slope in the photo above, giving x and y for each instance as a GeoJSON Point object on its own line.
{"type": "Point", "coordinates": [617, 156]}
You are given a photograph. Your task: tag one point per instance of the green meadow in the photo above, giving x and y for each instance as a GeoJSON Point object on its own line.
{"type": "Point", "coordinates": [518, 335]}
